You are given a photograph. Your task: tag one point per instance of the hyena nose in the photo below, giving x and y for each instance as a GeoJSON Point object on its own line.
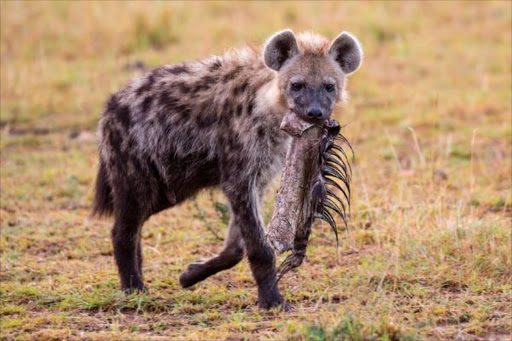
{"type": "Point", "coordinates": [315, 113]}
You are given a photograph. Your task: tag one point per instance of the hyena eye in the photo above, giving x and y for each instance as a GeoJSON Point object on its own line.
{"type": "Point", "coordinates": [329, 87]}
{"type": "Point", "coordinates": [296, 86]}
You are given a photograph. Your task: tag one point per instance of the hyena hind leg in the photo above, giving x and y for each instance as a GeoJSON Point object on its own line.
{"type": "Point", "coordinates": [230, 256]}
{"type": "Point", "coordinates": [128, 223]}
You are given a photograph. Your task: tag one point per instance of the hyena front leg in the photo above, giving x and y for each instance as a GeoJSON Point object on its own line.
{"type": "Point", "coordinates": [244, 204]}
{"type": "Point", "coordinates": [230, 256]}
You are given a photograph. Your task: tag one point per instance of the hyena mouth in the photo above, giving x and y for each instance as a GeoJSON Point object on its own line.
{"type": "Point", "coordinates": [317, 168]}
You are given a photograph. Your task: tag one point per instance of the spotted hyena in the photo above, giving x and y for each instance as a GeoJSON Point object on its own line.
{"type": "Point", "coordinates": [180, 128]}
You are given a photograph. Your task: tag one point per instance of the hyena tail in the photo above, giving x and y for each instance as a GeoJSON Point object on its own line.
{"type": "Point", "coordinates": [103, 205]}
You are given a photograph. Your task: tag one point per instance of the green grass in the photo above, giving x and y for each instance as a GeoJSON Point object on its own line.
{"type": "Point", "coordinates": [427, 255]}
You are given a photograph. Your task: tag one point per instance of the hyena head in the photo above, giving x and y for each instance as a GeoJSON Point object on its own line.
{"type": "Point", "coordinates": [311, 71]}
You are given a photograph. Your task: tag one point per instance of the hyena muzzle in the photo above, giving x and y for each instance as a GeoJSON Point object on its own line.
{"type": "Point", "coordinates": [180, 128]}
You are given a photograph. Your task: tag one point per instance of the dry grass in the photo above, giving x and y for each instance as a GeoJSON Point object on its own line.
{"type": "Point", "coordinates": [428, 253]}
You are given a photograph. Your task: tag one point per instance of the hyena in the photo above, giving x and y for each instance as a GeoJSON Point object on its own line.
{"type": "Point", "coordinates": [180, 128]}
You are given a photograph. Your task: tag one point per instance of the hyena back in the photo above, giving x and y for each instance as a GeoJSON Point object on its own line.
{"type": "Point", "coordinates": [180, 128]}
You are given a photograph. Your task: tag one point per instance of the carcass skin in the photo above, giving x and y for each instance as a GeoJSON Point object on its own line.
{"type": "Point", "coordinates": [303, 194]}
{"type": "Point", "coordinates": [301, 166]}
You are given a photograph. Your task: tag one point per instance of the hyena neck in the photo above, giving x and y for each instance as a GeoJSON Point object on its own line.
{"type": "Point", "coordinates": [269, 99]}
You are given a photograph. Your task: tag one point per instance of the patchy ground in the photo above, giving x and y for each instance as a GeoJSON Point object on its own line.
{"type": "Point", "coordinates": [428, 253]}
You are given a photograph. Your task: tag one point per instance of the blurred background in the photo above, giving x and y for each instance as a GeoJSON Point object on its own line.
{"type": "Point", "coordinates": [428, 251]}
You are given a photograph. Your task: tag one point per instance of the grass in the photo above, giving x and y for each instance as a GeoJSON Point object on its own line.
{"type": "Point", "coordinates": [428, 253]}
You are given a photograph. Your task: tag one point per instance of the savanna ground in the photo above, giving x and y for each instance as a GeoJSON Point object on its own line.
{"type": "Point", "coordinates": [427, 255]}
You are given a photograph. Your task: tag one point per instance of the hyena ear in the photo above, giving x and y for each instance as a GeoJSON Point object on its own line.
{"type": "Point", "coordinates": [347, 52]}
{"type": "Point", "coordinates": [280, 48]}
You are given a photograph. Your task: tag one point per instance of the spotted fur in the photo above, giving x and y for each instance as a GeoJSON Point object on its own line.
{"type": "Point", "coordinates": [181, 128]}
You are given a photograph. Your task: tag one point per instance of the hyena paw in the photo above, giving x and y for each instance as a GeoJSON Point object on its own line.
{"type": "Point", "coordinates": [193, 274]}
{"type": "Point", "coordinates": [135, 288]}
{"type": "Point", "coordinates": [271, 300]}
